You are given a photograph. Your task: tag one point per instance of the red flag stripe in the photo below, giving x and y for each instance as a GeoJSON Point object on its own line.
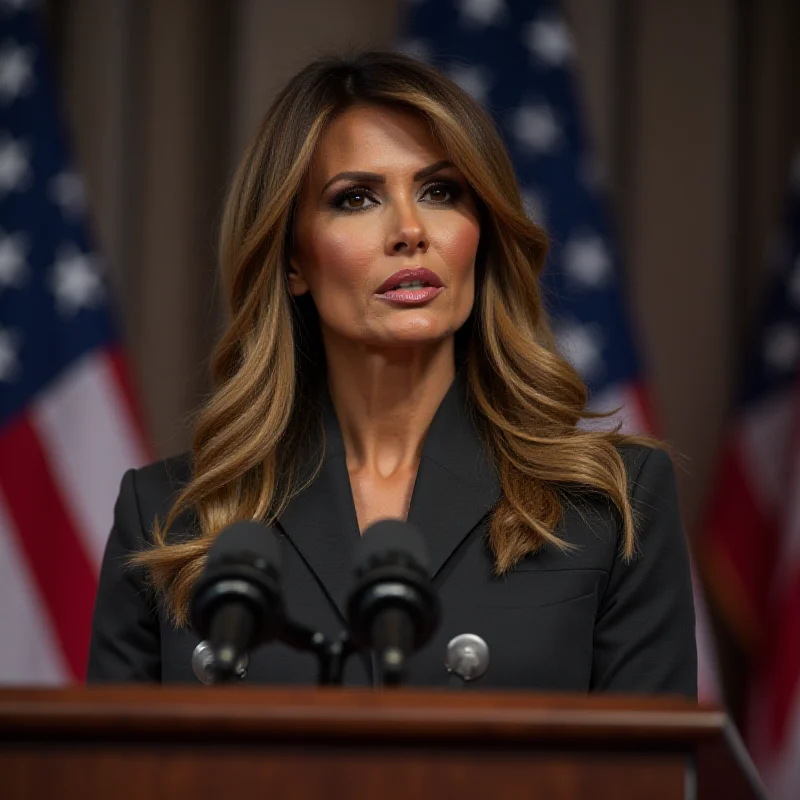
{"type": "Point", "coordinates": [642, 396]}
{"type": "Point", "coordinates": [49, 540]}
{"type": "Point", "coordinates": [782, 678]}
{"type": "Point", "coordinates": [737, 572]}
{"type": "Point", "coordinates": [726, 593]}
{"type": "Point", "coordinates": [780, 675]}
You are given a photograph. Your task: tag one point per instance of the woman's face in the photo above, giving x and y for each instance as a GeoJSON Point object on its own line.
{"type": "Point", "coordinates": [406, 208]}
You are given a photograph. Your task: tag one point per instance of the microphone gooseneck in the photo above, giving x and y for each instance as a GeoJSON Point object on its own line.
{"type": "Point", "coordinates": [393, 608]}
{"type": "Point", "coordinates": [237, 603]}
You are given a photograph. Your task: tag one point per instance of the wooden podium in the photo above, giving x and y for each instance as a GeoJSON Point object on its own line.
{"type": "Point", "coordinates": [197, 743]}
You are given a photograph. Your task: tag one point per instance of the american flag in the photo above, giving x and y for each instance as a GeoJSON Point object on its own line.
{"type": "Point", "coordinates": [68, 429]}
{"type": "Point", "coordinates": [517, 58]}
{"type": "Point", "coordinates": [751, 540]}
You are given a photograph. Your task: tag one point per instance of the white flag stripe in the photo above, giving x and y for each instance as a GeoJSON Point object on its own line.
{"type": "Point", "coordinates": [765, 448]}
{"type": "Point", "coordinates": [782, 775]}
{"type": "Point", "coordinates": [708, 690]}
{"type": "Point", "coordinates": [31, 654]}
{"type": "Point", "coordinates": [90, 442]}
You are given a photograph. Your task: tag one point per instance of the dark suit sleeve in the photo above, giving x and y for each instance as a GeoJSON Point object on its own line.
{"type": "Point", "coordinates": [645, 630]}
{"type": "Point", "coordinates": [125, 643]}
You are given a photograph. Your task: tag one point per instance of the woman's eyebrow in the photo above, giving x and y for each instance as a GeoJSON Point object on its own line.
{"type": "Point", "coordinates": [374, 177]}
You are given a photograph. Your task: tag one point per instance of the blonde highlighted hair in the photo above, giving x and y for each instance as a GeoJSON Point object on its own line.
{"type": "Point", "coordinates": [526, 399]}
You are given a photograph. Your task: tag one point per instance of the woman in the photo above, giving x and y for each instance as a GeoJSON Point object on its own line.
{"type": "Point", "coordinates": [342, 399]}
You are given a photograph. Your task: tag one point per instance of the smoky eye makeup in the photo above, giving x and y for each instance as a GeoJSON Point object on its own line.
{"type": "Point", "coordinates": [340, 199]}
{"type": "Point", "coordinates": [451, 186]}
{"type": "Point", "coordinates": [359, 194]}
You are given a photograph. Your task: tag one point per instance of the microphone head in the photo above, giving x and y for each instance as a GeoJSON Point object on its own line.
{"type": "Point", "coordinates": [467, 656]}
{"type": "Point", "coordinates": [247, 542]}
{"type": "Point", "coordinates": [243, 566]}
{"type": "Point", "coordinates": [392, 542]}
{"type": "Point", "coordinates": [392, 572]}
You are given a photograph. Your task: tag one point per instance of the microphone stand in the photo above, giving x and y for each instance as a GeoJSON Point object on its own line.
{"type": "Point", "coordinates": [331, 653]}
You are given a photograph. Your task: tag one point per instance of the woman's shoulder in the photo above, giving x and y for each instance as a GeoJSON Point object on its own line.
{"type": "Point", "coordinates": [163, 478]}
{"type": "Point", "coordinates": [647, 467]}
{"type": "Point", "coordinates": [149, 492]}
{"type": "Point", "coordinates": [591, 520]}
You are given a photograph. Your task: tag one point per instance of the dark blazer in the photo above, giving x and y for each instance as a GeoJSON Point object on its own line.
{"type": "Point", "coordinates": [577, 621]}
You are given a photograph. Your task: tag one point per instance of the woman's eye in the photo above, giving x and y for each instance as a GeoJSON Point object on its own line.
{"type": "Point", "coordinates": [359, 199]}
{"type": "Point", "coordinates": [442, 193]}
{"type": "Point", "coordinates": [352, 200]}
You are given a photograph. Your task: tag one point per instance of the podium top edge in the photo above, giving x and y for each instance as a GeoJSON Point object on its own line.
{"type": "Point", "coordinates": [266, 713]}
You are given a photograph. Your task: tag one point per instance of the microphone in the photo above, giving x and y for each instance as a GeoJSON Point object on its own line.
{"type": "Point", "coordinates": [237, 603]}
{"type": "Point", "coordinates": [393, 608]}
{"type": "Point", "coordinates": [467, 657]}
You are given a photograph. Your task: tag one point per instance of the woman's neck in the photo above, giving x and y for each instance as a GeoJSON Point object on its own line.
{"type": "Point", "coordinates": [385, 401]}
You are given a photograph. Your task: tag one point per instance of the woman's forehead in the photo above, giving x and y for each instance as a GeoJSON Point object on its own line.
{"type": "Point", "coordinates": [375, 139]}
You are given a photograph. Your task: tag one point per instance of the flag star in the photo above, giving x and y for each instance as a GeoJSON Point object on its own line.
{"type": "Point", "coordinates": [9, 358]}
{"type": "Point", "coordinates": [549, 41]}
{"type": "Point", "coordinates": [76, 281]}
{"type": "Point", "coordinates": [14, 165]}
{"type": "Point", "coordinates": [16, 70]}
{"type": "Point", "coordinates": [536, 128]}
{"type": "Point", "coordinates": [67, 190]}
{"type": "Point", "coordinates": [782, 347]}
{"type": "Point", "coordinates": [416, 48]}
{"type": "Point", "coordinates": [581, 346]}
{"type": "Point", "coordinates": [586, 260]}
{"type": "Point", "coordinates": [482, 12]}
{"type": "Point", "coordinates": [535, 206]}
{"type": "Point", "coordinates": [473, 80]}
{"type": "Point", "coordinates": [13, 264]}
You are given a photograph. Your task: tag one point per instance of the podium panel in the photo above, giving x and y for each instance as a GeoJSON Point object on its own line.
{"type": "Point", "coordinates": [158, 742]}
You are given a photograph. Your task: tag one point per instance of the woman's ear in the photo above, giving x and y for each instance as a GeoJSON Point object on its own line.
{"type": "Point", "coordinates": [297, 283]}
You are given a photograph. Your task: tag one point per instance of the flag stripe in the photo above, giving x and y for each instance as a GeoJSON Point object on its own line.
{"type": "Point", "coordinates": [783, 669]}
{"type": "Point", "coordinates": [54, 551]}
{"type": "Point", "coordinates": [738, 575]}
{"type": "Point", "coordinates": [89, 442]}
{"type": "Point", "coordinates": [31, 654]}
{"type": "Point", "coordinates": [125, 392]}
{"type": "Point", "coordinates": [765, 435]}
{"type": "Point", "coordinates": [782, 773]}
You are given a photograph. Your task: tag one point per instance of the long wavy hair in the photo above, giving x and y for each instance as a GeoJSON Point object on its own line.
{"type": "Point", "coordinates": [525, 398]}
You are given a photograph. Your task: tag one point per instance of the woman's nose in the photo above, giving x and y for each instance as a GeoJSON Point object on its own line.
{"type": "Point", "coordinates": [408, 233]}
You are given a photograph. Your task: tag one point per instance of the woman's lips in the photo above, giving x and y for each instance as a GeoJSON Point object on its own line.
{"type": "Point", "coordinates": [409, 275]}
{"type": "Point", "coordinates": [411, 297]}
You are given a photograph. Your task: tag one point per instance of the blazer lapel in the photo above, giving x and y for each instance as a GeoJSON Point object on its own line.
{"type": "Point", "coordinates": [457, 485]}
{"type": "Point", "coordinates": [321, 521]}
{"type": "Point", "coordinates": [455, 488]}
